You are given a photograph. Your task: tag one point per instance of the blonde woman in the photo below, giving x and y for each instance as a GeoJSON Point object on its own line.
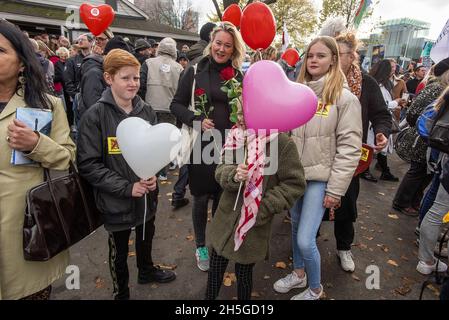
{"type": "Point", "coordinates": [269, 53]}
{"type": "Point", "coordinates": [225, 51]}
{"type": "Point", "coordinates": [329, 150]}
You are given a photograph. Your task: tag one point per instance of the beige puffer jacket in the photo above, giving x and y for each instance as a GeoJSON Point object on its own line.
{"type": "Point", "coordinates": [330, 144]}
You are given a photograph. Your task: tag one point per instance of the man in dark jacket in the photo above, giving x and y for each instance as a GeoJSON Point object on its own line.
{"type": "Point", "coordinates": [72, 72]}
{"type": "Point", "coordinates": [92, 82]}
{"type": "Point", "coordinates": [196, 51]}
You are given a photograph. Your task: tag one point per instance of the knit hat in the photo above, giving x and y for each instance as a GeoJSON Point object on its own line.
{"type": "Point", "coordinates": [141, 44]}
{"type": "Point", "coordinates": [167, 46]}
{"type": "Point", "coordinates": [441, 67]}
{"type": "Point", "coordinates": [206, 30]}
{"type": "Point", "coordinates": [116, 43]}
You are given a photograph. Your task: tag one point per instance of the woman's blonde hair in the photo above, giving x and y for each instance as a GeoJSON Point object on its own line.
{"type": "Point", "coordinates": [239, 46]}
{"type": "Point", "coordinates": [117, 59]}
{"type": "Point", "coordinates": [443, 99]}
{"type": "Point", "coordinates": [269, 53]}
{"type": "Point", "coordinates": [349, 39]}
{"type": "Point", "coordinates": [335, 78]}
{"type": "Point", "coordinates": [63, 51]}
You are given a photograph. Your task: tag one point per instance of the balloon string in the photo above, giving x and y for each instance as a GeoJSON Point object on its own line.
{"type": "Point", "coordinates": [144, 217]}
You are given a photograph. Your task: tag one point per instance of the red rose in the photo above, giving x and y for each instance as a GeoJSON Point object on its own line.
{"type": "Point", "coordinates": [199, 92]}
{"type": "Point", "coordinates": [227, 73]}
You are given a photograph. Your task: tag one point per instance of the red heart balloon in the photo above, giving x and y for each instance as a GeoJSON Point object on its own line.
{"type": "Point", "coordinates": [97, 18]}
{"type": "Point", "coordinates": [233, 14]}
{"type": "Point", "coordinates": [291, 56]}
{"type": "Point", "coordinates": [258, 26]}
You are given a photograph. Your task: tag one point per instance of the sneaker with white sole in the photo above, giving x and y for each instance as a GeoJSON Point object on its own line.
{"type": "Point", "coordinates": [291, 281]}
{"type": "Point", "coordinates": [346, 261]}
{"type": "Point", "coordinates": [427, 269]}
{"type": "Point", "coordinates": [309, 295]}
{"type": "Point", "coordinates": [202, 258]}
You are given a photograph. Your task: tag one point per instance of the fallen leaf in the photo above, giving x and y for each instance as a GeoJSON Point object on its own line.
{"type": "Point", "coordinates": [190, 237]}
{"type": "Point", "coordinates": [434, 290]}
{"type": "Point", "coordinates": [227, 282]}
{"type": "Point", "coordinates": [255, 294]}
{"type": "Point", "coordinates": [381, 193]}
{"type": "Point", "coordinates": [281, 265]}
{"type": "Point", "coordinates": [163, 182]}
{"type": "Point", "coordinates": [180, 220]}
{"type": "Point", "coordinates": [368, 206]}
{"type": "Point", "coordinates": [167, 266]}
{"type": "Point", "coordinates": [154, 286]}
{"type": "Point", "coordinates": [131, 254]}
{"type": "Point", "coordinates": [393, 263]}
{"type": "Point", "coordinates": [383, 247]}
{"type": "Point", "coordinates": [368, 238]}
{"type": "Point", "coordinates": [232, 276]}
{"type": "Point", "coordinates": [175, 174]}
{"type": "Point", "coordinates": [169, 194]}
{"type": "Point", "coordinates": [265, 277]}
{"type": "Point", "coordinates": [99, 283]}
{"type": "Point", "coordinates": [404, 258]}
{"type": "Point", "coordinates": [159, 196]}
{"type": "Point", "coordinates": [168, 182]}
{"type": "Point", "coordinates": [393, 216]}
{"type": "Point", "coordinates": [170, 199]}
{"type": "Point", "coordinates": [355, 277]}
{"type": "Point", "coordinates": [363, 246]}
{"type": "Point", "coordinates": [329, 285]}
{"type": "Point", "coordinates": [403, 290]}
{"type": "Point", "coordinates": [380, 231]}
{"type": "Point", "coordinates": [363, 228]}
{"type": "Point", "coordinates": [130, 242]}
{"type": "Point", "coordinates": [400, 239]}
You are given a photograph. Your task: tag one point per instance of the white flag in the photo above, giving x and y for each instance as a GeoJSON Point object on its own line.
{"type": "Point", "coordinates": [440, 49]}
{"type": "Point", "coordinates": [285, 38]}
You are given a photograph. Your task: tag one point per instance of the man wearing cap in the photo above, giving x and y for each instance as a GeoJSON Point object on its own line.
{"type": "Point", "coordinates": [159, 79]}
{"type": "Point", "coordinates": [142, 50]}
{"type": "Point", "coordinates": [196, 51]}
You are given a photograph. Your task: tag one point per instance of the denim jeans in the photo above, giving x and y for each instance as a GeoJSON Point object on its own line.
{"type": "Point", "coordinates": [429, 197]}
{"type": "Point", "coordinates": [430, 226]}
{"type": "Point", "coordinates": [306, 215]}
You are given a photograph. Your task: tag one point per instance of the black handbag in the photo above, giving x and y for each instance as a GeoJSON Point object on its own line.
{"type": "Point", "coordinates": [60, 212]}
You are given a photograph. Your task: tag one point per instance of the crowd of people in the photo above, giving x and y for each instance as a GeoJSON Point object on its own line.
{"type": "Point", "coordinates": [92, 86]}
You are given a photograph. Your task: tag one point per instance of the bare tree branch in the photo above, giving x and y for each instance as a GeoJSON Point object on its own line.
{"type": "Point", "coordinates": [217, 7]}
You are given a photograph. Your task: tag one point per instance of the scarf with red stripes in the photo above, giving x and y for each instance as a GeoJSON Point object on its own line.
{"type": "Point", "coordinates": [252, 194]}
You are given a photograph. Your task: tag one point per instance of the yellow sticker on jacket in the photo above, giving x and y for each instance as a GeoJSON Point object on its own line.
{"type": "Point", "coordinates": [365, 154]}
{"type": "Point", "coordinates": [113, 146]}
{"type": "Point", "coordinates": [323, 110]}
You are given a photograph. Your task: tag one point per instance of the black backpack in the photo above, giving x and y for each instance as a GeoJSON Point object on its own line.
{"type": "Point", "coordinates": [439, 134]}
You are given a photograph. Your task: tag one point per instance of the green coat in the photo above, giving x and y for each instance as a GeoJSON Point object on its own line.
{"type": "Point", "coordinates": [20, 278]}
{"type": "Point", "coordinates": [280, 191]}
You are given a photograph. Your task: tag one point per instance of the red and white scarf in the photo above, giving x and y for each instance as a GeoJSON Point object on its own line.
{"type": "Point", "coordinates": [252, 194]}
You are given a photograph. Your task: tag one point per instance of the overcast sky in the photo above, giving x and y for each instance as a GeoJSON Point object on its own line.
{"type": "Point", "coordinates": [435, 12]}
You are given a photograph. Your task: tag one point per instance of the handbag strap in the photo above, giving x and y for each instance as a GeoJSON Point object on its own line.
{"type": "Point", "coordinates": [192, 99]}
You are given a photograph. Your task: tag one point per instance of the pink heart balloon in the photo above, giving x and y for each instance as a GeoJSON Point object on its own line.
{"type": "Point", "coordinates": [272, 101]}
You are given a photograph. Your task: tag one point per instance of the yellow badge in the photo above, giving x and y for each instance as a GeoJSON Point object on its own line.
{"type": "Point", "coordinates": [365, 154]}
{"type": "Point", "coordinates": [446, 218]}
{"type": "Point", "coordinates": [323, 110]}
{"type": "Point", "coordinates": [113, 146]}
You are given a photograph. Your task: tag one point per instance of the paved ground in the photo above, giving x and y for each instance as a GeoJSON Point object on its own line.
{"type": "Point", "coordinates": [381, 240]}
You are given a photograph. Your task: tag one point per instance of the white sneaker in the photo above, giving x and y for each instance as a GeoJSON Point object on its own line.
{"type": "Point", "coordinates": [426, 269]}
{"type": "Point", "coordinates": [308, 295]}
{"type": "Point", "coordinates": [346, 261]}
{"type": "Point", "coordinates": [292, 280]}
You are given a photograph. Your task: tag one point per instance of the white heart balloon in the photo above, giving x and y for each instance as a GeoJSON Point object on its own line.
{"type": "Point", "coordinates": [146, 148]}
